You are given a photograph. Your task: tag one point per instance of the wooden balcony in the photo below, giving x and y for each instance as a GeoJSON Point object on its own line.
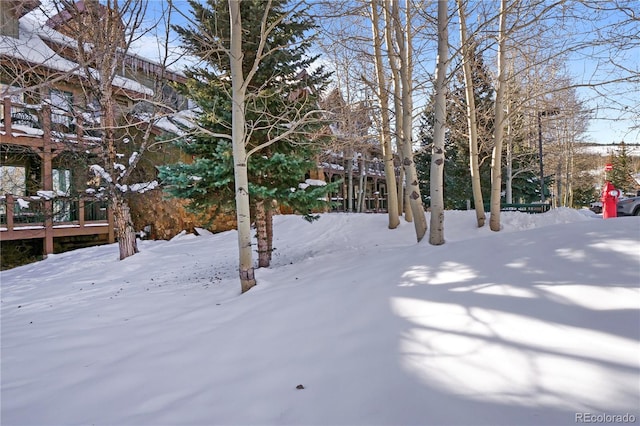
{"type": "Point", "coordinates": [30, 217]}
{"type": "Point", "coordinates": [47, 216]}
{"type": "Point", "coordinates": [31, 126]}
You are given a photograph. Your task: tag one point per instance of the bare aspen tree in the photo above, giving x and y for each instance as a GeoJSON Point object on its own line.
{"type": "Point", "coordinates": [472, 125]}
{"type": "Point", "coordinates": [345, 55]}
{"type": "Point", "coordinates": [563, 131]}
{"type": "Point", "coordinates": [286, 125]}
{"type": "Point", "coordinates": [403, 35]}
{"type": "Point", "coordinates": [498, 130]}
{"type": "Point", "coordinates": [403, 206]}
{"type": "Point", "coordinates": [543, 82]}
{"type": "Point", "coordinates": [104, 35]}
{"type": "Point", "coordinates": [383, 97]}
{"type": "Point", "coordinates": [367, 62]}
{"type": "Point", "coordinates": [393, 58]}
{"type": "Point", "coordinates": [240, 157]}
{"type": "Point", "coordinates": [392, 32]}
{"type": "Point", "coordinates": [436, 235]}
{"type": "Point", "coordinates": [509, 158]}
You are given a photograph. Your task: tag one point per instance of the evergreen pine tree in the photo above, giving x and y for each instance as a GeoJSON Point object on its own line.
{"type": "Point", "coordinates": [456, 166]}
{"type": "Point", "coordinates": [621, 174]}
{"type": "Point", "coordinates": [280, 93]}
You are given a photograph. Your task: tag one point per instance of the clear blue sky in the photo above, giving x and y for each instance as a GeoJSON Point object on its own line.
{"type": "Point", "coordinates": [611, 122]}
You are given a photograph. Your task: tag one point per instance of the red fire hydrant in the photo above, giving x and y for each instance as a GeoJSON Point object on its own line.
{"type": "Point", "coordinates": [609, 200]}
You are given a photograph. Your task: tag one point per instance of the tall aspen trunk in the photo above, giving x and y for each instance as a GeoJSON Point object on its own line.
{"type": "Point", "coordinates": [404, 40]}
{"type": "Point", "coordinates": [498, 129]}
{"type": "Point", "coordinates": [262, 235]}
{"type": "Point", "coordinates": [394, 65]}
{"type": "Point", "coordinates": [392, 184]}
{"type": "Point", "coordinates": [269, 225]}
{"type": "Point", "coordinates": [570, 179]}
{"type": "Point", "coordinates": [264, 232]}
{"type": "Point", "coordinates": [436, 235]}
{"type": "Point", "coordinates": [99, 54]}
{"type": "Point", "coordinates": [556, 195]}
{"type": "Point", "coordinates": [349, 172]}
{"type": "Point", "coordinates": [408, 213]}
{"type": "Point", "coordinates": [396, 80]}
{"type": "Point", "coordinates": [240, 159]}
{"type": "Point", "coordinates": [472, 124]}
{"type": "Point", "coordinates": [127, 243]}
{"type": "Point", "coordinates": [401, 192]}
{"type": "Point", "coordinates": [361, 188]}
{"type": "Point", "coordinates": [389, 169]}
{"type": "Point", "coordinates": [125, 233]}
{"type": "Point", "coordinates": [509, 161]}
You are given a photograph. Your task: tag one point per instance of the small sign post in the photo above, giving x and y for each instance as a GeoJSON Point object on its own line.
{"type": "Point", "coordinates": [608, 167]}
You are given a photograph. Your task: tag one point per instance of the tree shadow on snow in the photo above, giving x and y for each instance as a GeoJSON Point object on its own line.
{"type": "Point", "coordinates": [538, 339]}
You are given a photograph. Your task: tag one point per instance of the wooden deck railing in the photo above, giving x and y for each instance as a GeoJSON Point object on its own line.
{"type": "Point", "coordinates": [28, 217]}
{"type": "Point", "coordinates": [42, 128]}
{"type": "Point", "coordinates": [22, 120]}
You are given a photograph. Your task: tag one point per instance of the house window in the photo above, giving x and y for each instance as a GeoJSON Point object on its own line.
{"type": "Point", "coordinates": [62, 208]}
{"type": "Point", "coordinates": [61, 181]}
{"type": "Point", "coordinates": [91, 118]}
{"type": "Point", "coordinates": [61, 105]}
{"type": "Point", "coordinates": [13, 180]}
{"type": "Point", "coordinates": [16, 96]}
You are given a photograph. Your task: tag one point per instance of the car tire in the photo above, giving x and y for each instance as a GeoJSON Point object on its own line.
{"type": "Point", "coordinates": [636, 212]}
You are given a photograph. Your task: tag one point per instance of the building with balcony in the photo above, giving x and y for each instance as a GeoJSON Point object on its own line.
{"type": "Point", "coordinates": [354, 157]}
{"type": "Point", "coordinates": [50, 134]}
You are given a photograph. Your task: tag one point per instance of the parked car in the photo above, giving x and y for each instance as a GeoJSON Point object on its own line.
{"type": "Point", "coordinates": [629, 206]}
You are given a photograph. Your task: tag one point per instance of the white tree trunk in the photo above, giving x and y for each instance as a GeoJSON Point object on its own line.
{"type": "Point", "coordinates": [243, 215]}
{"type": "Point", "coordinates": [472, 124]}
{"type": "Point", "coordinates": [509, 162]}
{"type": "Point", "coordinates": [349, 172]}
{"type": "Point", "coordinates": [361, 186]}
{"type": "Point", "coordinates": [436, 235]}
{"type": "Point", "coordinates": [392, 183]}
{"type": "Point", "coordinates": [394, 64]}
{"type": "Point", "coordinates": [264, 256]}
{"type": "Point", "coordinates": [401, 194]}
{"type": "Point", "coordinates": [389, 169]}
{"type": "Point", "coordinates": [404, 37]}
{"type": "Point", "coordinates": [498, 130]}
{"type": "Point", "coordinates": [396, 80]}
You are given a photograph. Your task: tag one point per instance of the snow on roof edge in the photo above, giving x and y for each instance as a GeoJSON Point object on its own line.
{"type": "Point", "coordinates": [30, 47]}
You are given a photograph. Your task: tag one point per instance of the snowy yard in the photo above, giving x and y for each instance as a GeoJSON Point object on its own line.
{"type": "Point", "coordinates": [538, 324]}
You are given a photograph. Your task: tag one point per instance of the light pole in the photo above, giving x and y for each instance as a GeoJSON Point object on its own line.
{"type": "Point", "coordinates": [540, 115]}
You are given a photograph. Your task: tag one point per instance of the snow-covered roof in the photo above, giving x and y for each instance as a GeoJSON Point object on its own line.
{"type": "Point", "coordinates": [30, 47]}
{"type": "Point", "coordinates": [178, 123]}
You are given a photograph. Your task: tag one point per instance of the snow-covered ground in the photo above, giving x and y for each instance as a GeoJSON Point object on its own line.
{"type": "Point", "coordinates": [633, 150]}
{"type": "Point", "coordinates": [353, 324]}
